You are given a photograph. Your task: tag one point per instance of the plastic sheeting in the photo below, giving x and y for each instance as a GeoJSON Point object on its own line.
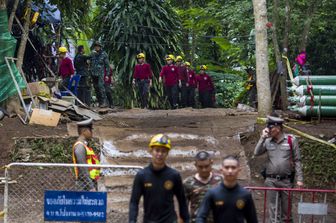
{"type": "Point", "coordinates": [7, 49]}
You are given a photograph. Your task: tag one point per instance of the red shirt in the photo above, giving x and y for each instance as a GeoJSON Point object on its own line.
{"type": "Point", "coordinates": [142, 71]}
{"type": "Point", "coordinates": [170, 75]}
{"type": "Point", "coordinates": [191, 78]}
{"type": "Point", "coordinates": [182, 72]}
{"type": "Point", "coordinates": [204, 83]}
{"type": "Point", "coordinates": [108, 77]}
{"type": "Point", "coordinates": [66, 68]}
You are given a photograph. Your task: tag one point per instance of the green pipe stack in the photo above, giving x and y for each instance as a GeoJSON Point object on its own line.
{"type": "Point", "coordinates": [326, 111]}
{"type": "Point", "coordinates": [326, 100]}
{"type": "Point", "coordinates": [323, 100]}
{"type": "Point", "coordinates": [315, 80]}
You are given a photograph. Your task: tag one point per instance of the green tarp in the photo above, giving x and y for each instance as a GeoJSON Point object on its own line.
{"type": "Point", "coordinates": [7, 49]}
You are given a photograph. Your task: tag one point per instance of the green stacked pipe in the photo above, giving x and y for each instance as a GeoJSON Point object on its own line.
{"type": "Point", "coordinates": [326, 111]}
{"type": "Point", "coordinates": [326, 100]}
{"type": "Point", "coordinates": [324, 89]}
{"type": "Point", "coordinates": [315, 80]}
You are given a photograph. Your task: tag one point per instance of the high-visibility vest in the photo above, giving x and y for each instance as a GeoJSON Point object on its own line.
{"type": "Point", "coordinates": [91, 158]}
{"type": "Point", "coordinates": [249, 85]}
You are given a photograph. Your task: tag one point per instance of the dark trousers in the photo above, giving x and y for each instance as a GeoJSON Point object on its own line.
{"type": "Point", "coordinates": [172, 94]}
{"type": "Point", "coordinates": [65, 83]}
{"type": "Point", "coordinates": [98, 84]}
{"type": "Point", "coordinates": [253, 97]}
{"type": "Point", "coordinates": [190, 91]}
{"type": "Point", "coordinates": [143, 88]}
{"type": "Point", "coordinates": [184, 95]}
{"type": "Point", "coordinates": [205, 99]}
{"type": "Point", "coordinates": [84, 90]}
{"type": "Point", "coordinates": [108, 91]}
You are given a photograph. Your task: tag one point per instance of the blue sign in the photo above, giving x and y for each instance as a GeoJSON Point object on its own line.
{"type": "Point", "coordinates": [75, 206]}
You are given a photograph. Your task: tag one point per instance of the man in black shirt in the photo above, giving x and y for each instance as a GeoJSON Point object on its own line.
{"type": "Point", "coordinates": [158, 184]}
{"type": "Point", "coordinates": [81, 66]}
{"type": "Point", "coordinates": [229, 202]}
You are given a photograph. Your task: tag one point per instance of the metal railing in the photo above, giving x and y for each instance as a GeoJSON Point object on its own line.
{"type": "Point", "coordinates": [304, 205]}
{"type": "Point", "coordinates": [25, 184]}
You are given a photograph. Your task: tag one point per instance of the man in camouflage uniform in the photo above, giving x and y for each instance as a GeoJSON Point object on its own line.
{"type": "Point", "coordinates": [283, 163]}
{"type": "Point", "coordinates": [99, 62]}
{"type": "Point", "coordinates": [196, 186]}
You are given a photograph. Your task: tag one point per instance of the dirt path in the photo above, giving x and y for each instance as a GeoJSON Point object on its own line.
{"type": "Point", "coordinates": [125, 137]}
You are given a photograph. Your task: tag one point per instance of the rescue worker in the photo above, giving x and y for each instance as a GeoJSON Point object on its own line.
{"type": "Point", "coordinates": [299, 65]}
{"type": "Point", "coordinates": [251, 88]}
{"type": "Point", "coordinates": [183, 80]}
{"type": "Point", "coordinates": [205, 87]}
{"type": "Point", "coordinates": [82, 66]}
{"type": "Point", "coordinates": [283, 162]}
{"type": "Point", "coordinates": [66, 69]}
{"type": "Point", "coordinates": [86, 178]}
{"type": "Point", "coordinates": [108, 81]}
{"type": "Point", "coordinates": [229, 202]}
{"type": "Point", "coordinates": [191, 85]}
{"type": "Point", "coordinates": [196, 186]}
{"type": "Point", "coordinates": [142, 78]}
{"type": "Point", "coordinates": [169, 77]}
{"type": "Point", "coordinates": [99, 62]}
{"type": "Point", "coordinates": [158, 184]}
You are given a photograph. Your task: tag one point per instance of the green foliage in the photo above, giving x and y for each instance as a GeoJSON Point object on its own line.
{"type": "Point", "coordinates": [319, 165]}
{"type": "Point", "coordinates": [127, 28]}
{"type": "Point", "coordinates": [53, 150]}
{"type": "Point", "coordinates": [221, 32]}
{"type": "Point", "coordinates": [228, 87]}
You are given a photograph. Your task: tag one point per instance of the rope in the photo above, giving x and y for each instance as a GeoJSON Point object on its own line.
{"type": "Point", "coordinates": [310, 91]}
{"type": "Point", "coordinates": [290, 73]}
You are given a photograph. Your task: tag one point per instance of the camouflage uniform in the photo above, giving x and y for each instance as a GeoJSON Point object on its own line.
{"type": "Point", "coordinates": [99, 61]}
{"type": "Point", "coordinates": [195, 192]}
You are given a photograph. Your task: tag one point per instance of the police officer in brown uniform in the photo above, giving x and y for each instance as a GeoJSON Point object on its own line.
{"type": "Point", "coordinates": [283, 163]}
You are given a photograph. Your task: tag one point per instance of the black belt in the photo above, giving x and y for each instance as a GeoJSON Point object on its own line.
{"type": "Point", "coordinates": [278, 177]}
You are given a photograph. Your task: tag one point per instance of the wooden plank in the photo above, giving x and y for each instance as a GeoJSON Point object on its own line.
{"type": "Point", "coordinates": [87, 113]}
{"type": "Point", "coordinates": [60, 102]}
{"type": "Point", "coordinates": [45, 117]}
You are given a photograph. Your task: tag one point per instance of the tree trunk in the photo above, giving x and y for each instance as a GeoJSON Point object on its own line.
{"type": "Point", "coordinates": [24, 37]}
{"type": "Point", "coordinates": [307, 24]}
{"type": "Point", "coordinates": [2, 4]}
{"type": "Point", "coordinates": [12, 15]}
{"type": "Point", "coordinates": [281, 79]}
{"type": "Point", "coordinates": [263, 81]}
{"type": "Point", "coordinates": [287, 28]}
{"type": "Point", "coordinates": [274, 32]}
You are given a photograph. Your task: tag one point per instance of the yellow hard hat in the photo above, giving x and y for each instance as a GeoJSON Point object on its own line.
{"type": "Point", "coordinates": [160, 140]}
{"type": "Point", "coordinates": [62, 49]}
{"type": "Point", "coordinates": [187, 64]}
{"type": "Point", "coordinates": [203, 67]}
{"type": "Point", "coordinates": [140, 55]}
{"type": "Point", "coordinates": [179, 58]}
{"type": "Point", "coordinates": [170, 57]}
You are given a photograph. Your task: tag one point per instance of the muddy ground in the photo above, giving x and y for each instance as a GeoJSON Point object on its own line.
{"type": "Point", "coordinates": [125, 136]}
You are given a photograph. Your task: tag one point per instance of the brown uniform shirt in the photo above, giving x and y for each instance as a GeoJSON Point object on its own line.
{"type": "Point", "coordinates": [280, 159]}
{"type": "Point", "coordinates": [195, 191]}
